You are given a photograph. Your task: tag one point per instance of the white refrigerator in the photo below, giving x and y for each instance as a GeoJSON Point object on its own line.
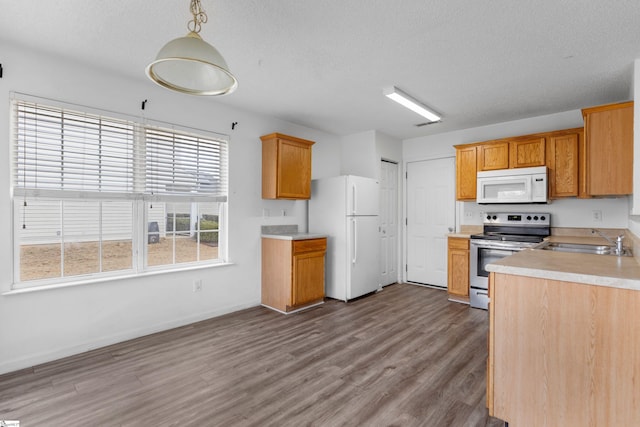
{"type": "Point", "coordinates": [345, 208]}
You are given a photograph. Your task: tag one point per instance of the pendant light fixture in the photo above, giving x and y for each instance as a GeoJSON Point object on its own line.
{"type": "Point", "coordinates": [190, 65]}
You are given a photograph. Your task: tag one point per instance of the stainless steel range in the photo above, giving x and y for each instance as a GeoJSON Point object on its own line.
{"type": "Point", "coordinates": [503, 234]}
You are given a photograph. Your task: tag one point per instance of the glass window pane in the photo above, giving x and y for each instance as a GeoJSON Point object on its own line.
{"type": "Point", "coordinates": [182, 232]}
{"type": "Point", "coordinates": [160, 226]}
{"type": "Point", "coordinates": [81, 236]}
{"type": "Point", "coordinates": [208, 245]}
{"type": "Point", "coordinates": [81, 258]}
{"type": "Point", "coordinates": [117, 232]}
{"type": "Point", "coordinates": [160, 253]}
{"type": "Point", "coordinates": [186, 248]}
{"type": "Point", "coordinates": [209, 217]}
{"type": "Point", "coordinates": [39, 236]}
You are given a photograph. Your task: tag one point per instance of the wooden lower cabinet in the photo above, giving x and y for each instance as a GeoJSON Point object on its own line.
{"type": "Point", "coordinates": [458, 269]}
{"type": "Point", "coordinates": [562, 353]}
{"type": "Point", "coordinates": [292, 273]}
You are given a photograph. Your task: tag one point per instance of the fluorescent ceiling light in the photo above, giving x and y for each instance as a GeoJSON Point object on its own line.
{"type": "Point", "coordinates": [403, 99]}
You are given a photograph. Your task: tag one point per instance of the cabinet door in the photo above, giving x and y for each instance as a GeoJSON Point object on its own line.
{"type": "Point", "coordinates": [458, 267]}
{"type": "Point", "coordinates": [466, 170]}
{"type": "Point", "coordinates": [308, 278]}
{"type": "Point", "coordinates": [563, 164]}
{"type": "Point", "coordinates": [609, 149]}
{"type": "Point", "coordinates": [527, 153]}
{"type": "Point", "coordinates": [294, 170]}
{"type": "Point", "coordinates": [493, 156]}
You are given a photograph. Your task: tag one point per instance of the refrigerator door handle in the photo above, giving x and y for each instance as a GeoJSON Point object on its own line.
{"type": "Point", "coordinates": [354, 198]}
{"type": "Point", "coordinates": [354, 241]}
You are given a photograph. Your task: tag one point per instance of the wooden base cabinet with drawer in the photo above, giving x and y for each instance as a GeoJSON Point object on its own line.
{"type": "Point", "coordinates": [292, 273]}
{"type": "Point", "coordinates": [458, 269]}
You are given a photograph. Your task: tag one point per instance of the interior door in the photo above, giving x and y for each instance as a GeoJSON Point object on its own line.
{"type": "Point", "coordinates": [430, 216]}
{"type": "Point", "coordinates": [388, 222]}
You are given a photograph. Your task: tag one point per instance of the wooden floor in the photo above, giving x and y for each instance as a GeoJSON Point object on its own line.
{"type": "Point", "coordinates": [402, 357]}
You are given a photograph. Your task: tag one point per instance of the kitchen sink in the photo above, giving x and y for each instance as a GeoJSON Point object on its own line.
{"type": "Point", "coordinates": [583, 248]}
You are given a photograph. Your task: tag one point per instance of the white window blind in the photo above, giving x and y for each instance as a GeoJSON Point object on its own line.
{"type": "Point", "coordinates": [181, 163]}
{"type": "Point", "coordinates": [57, 149]}
{"type": "Point", "coordinates": [63, 150]}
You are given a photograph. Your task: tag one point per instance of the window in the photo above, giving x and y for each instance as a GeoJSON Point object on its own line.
{"type": "Point", "coordinates": [96, 196]}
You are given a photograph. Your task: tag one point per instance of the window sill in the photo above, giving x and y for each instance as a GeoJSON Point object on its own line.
{"type": "Point", "coordinates": [92, 281]}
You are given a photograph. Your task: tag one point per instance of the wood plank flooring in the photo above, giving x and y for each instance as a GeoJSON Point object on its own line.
{"type": "Point", "coordinates": [402, 357]}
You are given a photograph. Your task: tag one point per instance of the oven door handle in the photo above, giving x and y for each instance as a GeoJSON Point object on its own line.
{"type": "Point", "coordinates": [505, 247]}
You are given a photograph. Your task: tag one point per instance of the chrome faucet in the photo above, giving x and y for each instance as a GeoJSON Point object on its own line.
{"type": "Point", "coordinates": [619, 250]}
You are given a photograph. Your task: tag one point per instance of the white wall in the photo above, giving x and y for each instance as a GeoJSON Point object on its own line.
{"type": "Point", "coordinates": [44, 325]}
{"type": "Point", "coordinates": [362, 152]}
{"type": "Point", "coordinates": [388, 148]}
{"type": "Point", "coordinates": [359, 155]}
{"type": "Point", "coordinates": [565, 213]}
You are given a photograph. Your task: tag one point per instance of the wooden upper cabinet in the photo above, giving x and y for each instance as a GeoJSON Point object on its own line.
{"type": "Point", "coordinates": [608, 156]}
{"type": "Point", "coordinates": [527, 152]}
{"type": "Point", "coordinates": [563, 163]}
{"type": "Point", "coordinates": [286, 167]}
{"type": "Point", "coordinates": [466, 170]}
{"type": "Point", "coordinates": [493, 156]}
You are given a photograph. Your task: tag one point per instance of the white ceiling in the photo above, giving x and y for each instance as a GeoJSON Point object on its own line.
{"type": "Point", "coordinates": [324, 63]}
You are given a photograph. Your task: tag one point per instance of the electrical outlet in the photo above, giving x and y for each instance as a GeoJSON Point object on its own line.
{"type": "Point", "coordinates": [596, 216]}
{"type": "Point", "coordinates": [468, 215]}
{"type": "Point", "coordinates": [197, 285]}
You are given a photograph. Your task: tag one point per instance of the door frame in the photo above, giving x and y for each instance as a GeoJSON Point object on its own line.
{"type": "Point", "coordinates": [398, 209]}
{"type": "Point", "coordinates": [457, 210]}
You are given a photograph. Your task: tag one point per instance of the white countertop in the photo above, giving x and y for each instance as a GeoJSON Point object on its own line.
{"type": "Point", "coordinates": [294, 236]}
{"type": "Point", "coordinates": [600, 270]}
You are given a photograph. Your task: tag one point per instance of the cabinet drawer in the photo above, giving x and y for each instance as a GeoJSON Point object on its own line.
{"type": "Point", "coordinates": [458, 243]}
{"type": "Point", "coordinates": [309, 245]}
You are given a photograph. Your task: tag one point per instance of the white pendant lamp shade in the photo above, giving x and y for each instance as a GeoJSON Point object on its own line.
{"type": "Point", "coordinates": [191, 65]}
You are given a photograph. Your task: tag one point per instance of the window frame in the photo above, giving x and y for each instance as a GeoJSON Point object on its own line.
{"type": "Point", "coordinates": [138, 198]}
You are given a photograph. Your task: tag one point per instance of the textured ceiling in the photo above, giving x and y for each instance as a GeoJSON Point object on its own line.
{"type": "Point", "coordinates": [324, 63]}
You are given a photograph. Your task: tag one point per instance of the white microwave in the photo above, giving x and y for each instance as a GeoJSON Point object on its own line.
{"type": "Point", "coordinates": [521, 185]}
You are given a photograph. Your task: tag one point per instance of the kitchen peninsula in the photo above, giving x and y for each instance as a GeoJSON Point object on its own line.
{"type": "Point", "coordinates": [564, 339]}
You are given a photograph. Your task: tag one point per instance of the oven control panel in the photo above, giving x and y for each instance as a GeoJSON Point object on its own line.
{"type": "Point", "coordinates": [518, 218]}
